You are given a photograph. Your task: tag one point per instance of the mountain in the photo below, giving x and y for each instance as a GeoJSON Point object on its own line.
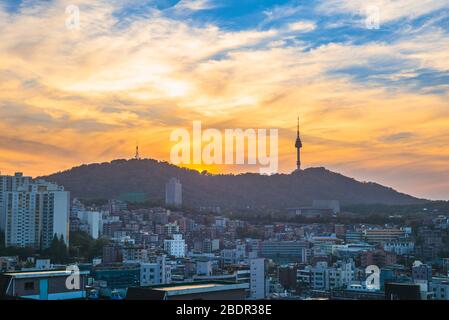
{"type": "Point", "coordinates": [280, 191]}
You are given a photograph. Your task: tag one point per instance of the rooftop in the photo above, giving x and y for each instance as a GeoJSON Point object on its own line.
{"type": "Point", "coordinates": [198, 287]}
{"type": "Point", "coordinates": [42, 274]}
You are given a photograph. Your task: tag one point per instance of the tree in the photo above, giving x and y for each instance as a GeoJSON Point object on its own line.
{"type": "Point", "coordinates": [57, 252]}
{"type": "Point", "coordinates": [22, 253]}
{"type": "Point", "coordinates": [97, 248]}
{"type": "Point", "coordinates": [82, 245]}
{"type": "Point", "coordinates": [62, 250]}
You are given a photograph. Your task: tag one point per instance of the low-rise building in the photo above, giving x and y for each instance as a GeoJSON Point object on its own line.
{"type": "Point", "coordinates": [155, 273]}
{"type": "Point", "coordinates": [175, 247]}
{"type": "Point", "coordinates": [208, 290]}
{"type": "Point", "coordinates": [284, 251]}
{"type": "Point", "coordinates": [440, 288]}
{"type": "Point", "coordinates": [44, 285]}
{"type": "Point", "coordinates": [400, 247]}
{"type": "Point", "coordinates": [383, 235]}
{"type": "Point", "coordinates": [117, 277]}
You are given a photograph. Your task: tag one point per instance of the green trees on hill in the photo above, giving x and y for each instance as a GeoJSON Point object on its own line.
{"type": "Point", "coordinates": [250, 190]}
{"type": "Point", "coordinates": [83, 246]}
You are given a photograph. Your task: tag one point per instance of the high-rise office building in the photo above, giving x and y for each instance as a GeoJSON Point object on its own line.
{"type": "Point", "coordinates": [34, 212]}
{"type": "Point", "coordinates": [173, 193]}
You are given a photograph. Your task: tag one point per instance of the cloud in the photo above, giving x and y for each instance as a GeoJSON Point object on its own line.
{"type": "Point", "coordinates": [302, 26]}
{"type": "Point", "coordinates": [26, 147]}
{"type": "Point", "coordinates": [389, 10]}
{"type": "Point", "coordinates": [195, 5]}
{"type": "Point", "coordinates": [280, 12]}
{"type": "Point", "coordinates": [136, 73]}
{"type": "Point", "coordinates": [397, 137]}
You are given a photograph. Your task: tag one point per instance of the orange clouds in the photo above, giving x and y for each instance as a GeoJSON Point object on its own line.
{"type": "Point", "coordinates": [71, 97]}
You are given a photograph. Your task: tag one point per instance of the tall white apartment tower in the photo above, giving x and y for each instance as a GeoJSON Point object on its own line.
{"type": "Point", "coordinates": [34, 213]}
{"type": "Point", "coordinates": [173, 193]}
{"type": "Point", "coordinates": [10, 183]}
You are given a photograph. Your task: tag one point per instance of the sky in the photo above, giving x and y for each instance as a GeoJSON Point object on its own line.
{"type": "Point", "coordinates": [373, 102]}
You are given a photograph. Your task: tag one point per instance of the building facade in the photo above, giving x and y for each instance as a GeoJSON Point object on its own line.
{"type": "Point", "coordinates": [173, 193]}
{"type": "Point", "coordinates": [7, 184]}
{"type": "Point", "coordinates": [258, 284]}
{"type": "Point", "coordinates": [176, 246]}
{"type": "Point", "coordinates": [155, 273]}
{"type": "Point", "coordinates": [34, 213]}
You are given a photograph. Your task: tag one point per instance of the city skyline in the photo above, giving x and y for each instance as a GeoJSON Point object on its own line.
{"type": "Point", "coordinates": [373, 102]}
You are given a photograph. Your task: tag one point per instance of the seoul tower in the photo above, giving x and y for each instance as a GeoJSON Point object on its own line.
{"type": "Point", "coordinates": [298, 146]}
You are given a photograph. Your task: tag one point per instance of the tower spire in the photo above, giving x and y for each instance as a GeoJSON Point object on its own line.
{"type": "Point", "coordinates": [297, 131]}
{"type": "Point", "coordinates": [298, 146]}
{"type": "Point", "coordinates": [137, 156]}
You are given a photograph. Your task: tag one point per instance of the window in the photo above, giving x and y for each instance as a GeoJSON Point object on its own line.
{"type": "Point", "coordinates": [29, 285]}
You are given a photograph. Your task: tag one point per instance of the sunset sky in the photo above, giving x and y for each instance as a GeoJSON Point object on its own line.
{"type": "Point", "coordinates": [374, 103]}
